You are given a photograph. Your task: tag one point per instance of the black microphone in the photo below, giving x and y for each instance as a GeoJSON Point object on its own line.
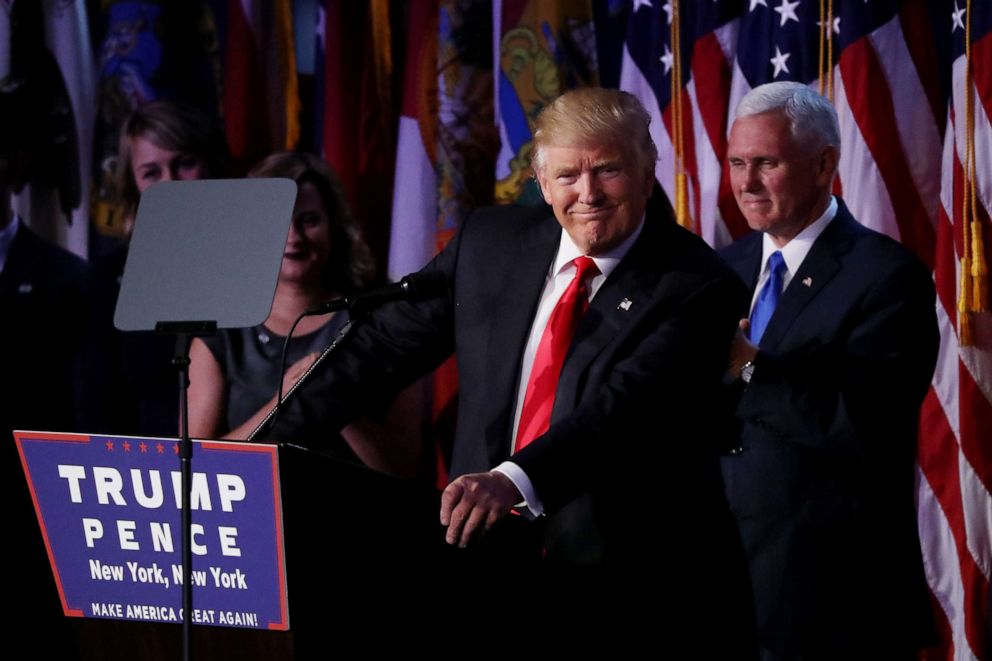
{"type": "Point", "coordinates": [414, 287]}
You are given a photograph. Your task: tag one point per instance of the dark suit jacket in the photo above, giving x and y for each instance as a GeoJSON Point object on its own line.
{"type": "Point", "coordinates": [43, 296]}
{"type": "Point", "coordinates": [822, 483]}
{"type": "Point", "coordinates": [628, 470]}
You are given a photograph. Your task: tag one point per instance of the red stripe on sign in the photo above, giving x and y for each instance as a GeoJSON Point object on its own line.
{"type": "Point", "coordinates": [20, 436]}
{"type": "Point", "coordinates": [236, 446]}
{"type": "Point", "coordinates": [69, 612]}
{"type": "Point", "coordinates": [283, 624]}
{"type": "Point", "coordinates": [870, 99]}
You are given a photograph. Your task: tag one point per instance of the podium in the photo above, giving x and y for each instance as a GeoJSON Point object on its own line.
{"type": "Point", "coordinates": [367, 568]}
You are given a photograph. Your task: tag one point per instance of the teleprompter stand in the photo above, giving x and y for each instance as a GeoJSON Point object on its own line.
{"type": "Point", "coordinates": [204, 255]}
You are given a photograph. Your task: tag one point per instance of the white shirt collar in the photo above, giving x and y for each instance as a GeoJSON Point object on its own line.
{"type": "Point", "coordinates": [795, 251]}
{"type": "Point", "coordinates": [568, 251]}
{"type": "Point", "coordinates": [7, 235]}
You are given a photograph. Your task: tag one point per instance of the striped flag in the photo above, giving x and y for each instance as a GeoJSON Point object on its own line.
{"type": "Point", "coordinates": [879, 62]}
{"type": "Point", "coordinates": [698, 133]}
{"type": "Point", "coordinates": [955, 454]}
{"type": "Point", "coordinates": [261, 99]}
{"type": "Point", "coordinates": [889, 170]}
{"type": "Point", "coordinates": [415, 211]}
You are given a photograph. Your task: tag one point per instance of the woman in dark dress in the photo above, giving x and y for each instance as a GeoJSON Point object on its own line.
{"type": "Point", "coordinates": [234, 374]}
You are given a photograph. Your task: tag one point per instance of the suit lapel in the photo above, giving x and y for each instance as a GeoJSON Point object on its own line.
{"type": "Point", "coordinates": [746, 262]}
{"type": "Point", "coordinates": [821, 264]}
{"type": "Point", "coordinates": [523, 274]}
{"type": "Point", "coordinates": [621, 301]}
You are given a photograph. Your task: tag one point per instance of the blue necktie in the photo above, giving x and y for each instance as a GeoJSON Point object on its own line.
{"type": "Point", "coordinates": [768, 298]}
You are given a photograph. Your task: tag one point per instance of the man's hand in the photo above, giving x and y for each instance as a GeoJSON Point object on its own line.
{"type": "Point", "coordinates": [741, 350]}
{"type": "Point", "coordinates": [475, 501]}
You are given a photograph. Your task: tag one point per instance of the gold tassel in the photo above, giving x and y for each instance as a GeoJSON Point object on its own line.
{"type": "Point", "coordinates": [821, 50]}
{"type": "Point", "coordinates": [829, 31]}
{"type": "Point", "coordinates": [681, 206]}
{"type": "Point", "coordinates": [964, 297]}
{"type": "Point", "coordinates": [825, 61]}
{"type": "Point", "coordinates": [973, 296]}
{"type": "Point", "coordinates": [286, 49]}
{"type": "Point", "coordinates": [979, 270]}
{"type": "Point", "coordinates": [682, 200]}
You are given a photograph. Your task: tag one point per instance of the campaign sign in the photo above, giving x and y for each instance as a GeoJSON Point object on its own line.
{"type": "Point", "coordinates": [109, 510]}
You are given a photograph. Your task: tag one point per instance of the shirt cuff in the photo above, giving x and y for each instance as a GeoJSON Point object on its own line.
{"type": "Point", "coordinates": [531, 506]}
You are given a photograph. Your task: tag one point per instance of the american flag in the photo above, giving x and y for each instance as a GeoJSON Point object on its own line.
{"type": "Point", "coordinates": [955, 454]}
{"type": "Point", "coordinates": [880, 61]}
{"type": "Point", "coordinates": [709, 41]}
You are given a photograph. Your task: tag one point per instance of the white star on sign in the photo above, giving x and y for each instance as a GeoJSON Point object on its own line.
{"type": "Point", "coordinates": [956, 17]}
{"type": "Point", "coordinates": [788, 11]}
{"type": "Point", "coordinates": [666, 59]}
{"type": "Point", "coordinates": [779, 62]}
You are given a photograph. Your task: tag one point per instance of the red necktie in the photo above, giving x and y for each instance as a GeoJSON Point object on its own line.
{"type": "Point", "coordinates": [535, 416]}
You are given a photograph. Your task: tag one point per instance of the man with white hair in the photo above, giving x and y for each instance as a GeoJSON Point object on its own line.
{"type": "Point", "coordinates": [834, 361]}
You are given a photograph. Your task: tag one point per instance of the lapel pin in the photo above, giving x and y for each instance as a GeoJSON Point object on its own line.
{"type": "Point", "coordinates": [625, 304]}
{"type": "Point", "coordinates": [807, 282]}
{"type": "Point", "coordinates": [25, 288]}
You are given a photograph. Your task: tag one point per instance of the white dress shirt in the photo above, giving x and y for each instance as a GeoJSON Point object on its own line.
{"type": "Point", "coordinates": [794, 252]}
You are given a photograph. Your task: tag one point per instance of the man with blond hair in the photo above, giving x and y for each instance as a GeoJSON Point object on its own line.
{"type": "Point", "coordinates": [589, 337]}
